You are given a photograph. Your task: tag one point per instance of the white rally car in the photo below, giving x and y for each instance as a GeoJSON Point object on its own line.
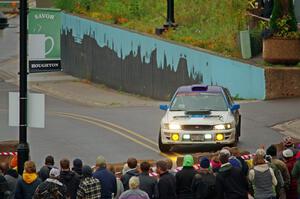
{"type": "Point", "coordinates": [198, 115]}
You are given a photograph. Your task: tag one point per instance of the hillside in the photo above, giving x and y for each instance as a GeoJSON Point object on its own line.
{"type": "Point", "coordinates": [208, 24]}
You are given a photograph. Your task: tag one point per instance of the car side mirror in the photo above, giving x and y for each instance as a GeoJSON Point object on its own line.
{"type": "Point", "coordinates": [235, 107]}
{"type": "Point", "coordinates": [164, 107]}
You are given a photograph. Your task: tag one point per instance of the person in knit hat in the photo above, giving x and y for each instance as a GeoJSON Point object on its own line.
{"type": "Point", "coordinates": [290, 160]}
{"type": "Point", "coordinates": [184, 178]}
{"type": "Point", "coordinates": [215, 164]}
{"type": "Point", "coordinates": [296, 172]}
{"type": "Point", "coordinates": [231, 183]}
{"type": "Point", "coordinates": [77, 167]}
{"type": "Point", "coordinates": [235, 152]}
{"type": "Point", "coordinates": [14, 163]}
{"type": "Point", "coordinates": [51, 187]}
{"type": "Point", "coordinates": [89, 187]}
{"type": "Point", "coordinates": [204, 182]}
{"type": "Point", "coordinates": [27, 185]}
{"type": "Point", "coordinates": [281, 166]}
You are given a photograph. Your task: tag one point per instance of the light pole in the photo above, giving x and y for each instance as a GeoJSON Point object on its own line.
{"type": "Point", "coordinates": [170, 22]}
{"type": "Point", "coordinates": [170, 14]}
{"type": "Point", "coordinates": [23, 147]}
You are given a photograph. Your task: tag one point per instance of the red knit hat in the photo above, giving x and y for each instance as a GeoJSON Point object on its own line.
{"type": "Point", "coordinates": [215, 165]}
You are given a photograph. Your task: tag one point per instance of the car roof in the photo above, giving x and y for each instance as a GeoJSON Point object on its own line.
{"type": "Point", "coordinates": [200, 88]}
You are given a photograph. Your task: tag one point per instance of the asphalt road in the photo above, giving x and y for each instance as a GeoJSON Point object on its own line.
{"type": "Point", "coordinates": [74, 130]}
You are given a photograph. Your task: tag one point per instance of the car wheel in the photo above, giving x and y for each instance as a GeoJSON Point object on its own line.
{"type": "Point", "coordinates": [238, 127]}
{"type": "Point", "coordinates": [163, 147]}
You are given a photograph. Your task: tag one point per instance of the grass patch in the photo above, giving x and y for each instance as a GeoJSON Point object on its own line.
{"type": "Point", "coordinates": [208, 24]}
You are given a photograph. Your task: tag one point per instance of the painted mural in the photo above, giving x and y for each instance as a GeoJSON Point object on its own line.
{"type": "Point", "coordinates": [144, 65]}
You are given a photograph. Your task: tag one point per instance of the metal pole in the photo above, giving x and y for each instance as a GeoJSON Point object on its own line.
{"type": "Point", "coordinates": [23, 147]}
{"type": "Point", "coordinates": [170, 14]}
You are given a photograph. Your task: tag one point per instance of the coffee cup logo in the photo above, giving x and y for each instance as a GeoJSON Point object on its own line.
{"type": "Point", "coordinates": [37, 46]}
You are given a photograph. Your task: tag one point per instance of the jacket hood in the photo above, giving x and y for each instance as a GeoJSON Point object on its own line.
{"type": "Point", "coordinates": [12, 173]}
{"type": "Point", "coordinates": [67, 175]}
{"type": "Point", "coordinates": [188, 161]}
{"type": "Point", "coordinates": [262, 167]}
{"type": "Point", "coordinates": [133, 172]}
{"type": "Point", "coordinates": [225, 168]}
{"type": "Point", "coordinates": [29, 177]}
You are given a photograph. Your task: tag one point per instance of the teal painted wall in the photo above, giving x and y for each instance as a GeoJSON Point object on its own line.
{"type": "Point", "coordinates": [245, 80]}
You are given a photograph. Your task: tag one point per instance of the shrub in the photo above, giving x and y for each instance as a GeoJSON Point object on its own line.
{"type": "Point", "coordinates": [283, 18]}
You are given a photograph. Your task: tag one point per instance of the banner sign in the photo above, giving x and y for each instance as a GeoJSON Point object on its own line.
{"type": "Point", "coordinates": [44, 30]}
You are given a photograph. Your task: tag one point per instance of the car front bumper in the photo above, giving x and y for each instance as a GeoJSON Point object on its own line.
{"type": "Point", "coordinates": [198, 137]}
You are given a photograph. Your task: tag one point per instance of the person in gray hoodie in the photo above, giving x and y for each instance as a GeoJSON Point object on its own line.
{"type": "Point", "coordinates": [262, 177]}
{"type": "Point", "coordinates": [12, 177]}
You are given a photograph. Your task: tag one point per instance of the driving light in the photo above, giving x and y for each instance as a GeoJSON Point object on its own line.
{"type": "Point", "coordinates": [186, 136]}
{"type": "Point", "coordinates": [219, 137]}
{"type": "Point", "coordinates": [208, 136]}
{"type": "Point", "coordinates": [175, 137]}
{"type": "Point", "coordinates": [174, 126]}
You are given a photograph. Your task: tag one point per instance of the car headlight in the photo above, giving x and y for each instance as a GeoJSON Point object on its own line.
{"type": "Point", "coordinates": [223, 126]}
{"type": "Point", "coordinates": [174, 126]}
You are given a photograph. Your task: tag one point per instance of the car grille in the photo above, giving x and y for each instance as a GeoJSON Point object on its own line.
{"type": "Point", "coordinates": [197, 127]}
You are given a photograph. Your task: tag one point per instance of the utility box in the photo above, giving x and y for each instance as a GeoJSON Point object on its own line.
{"type": "Point", "coordinates": [245, 44]}
{"type": "Point", "coordinates": [44, 3]}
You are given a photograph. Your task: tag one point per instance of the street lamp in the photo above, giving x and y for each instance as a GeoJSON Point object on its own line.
{"type": "Point", "coordinates": [23, 147]}
{"type": "Point", "coordinates": [170, 22]}
{"type": "Point", "coordinates": [170, 15]}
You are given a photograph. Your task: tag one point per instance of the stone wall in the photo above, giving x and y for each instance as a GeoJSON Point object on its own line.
{"type": "Point", "coordinates": [282, 82]}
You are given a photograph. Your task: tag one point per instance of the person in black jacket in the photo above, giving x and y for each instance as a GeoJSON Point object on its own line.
{"type": "Point", "coordinates": [236, 153]}
{"type": "Point", "coordinates": [44, 171]}
{"type": "Point", "coordinates": [184, 178]}
{"type": "Point", "coordinates": [147, 183]}
{"type": "Point", "coordinates": [231, 183]}
{"type": "Point", "coordinates": [69, 179]}
{"type": "Point", "coordinates": [51, 188]}
{"type": "Point", "coordinates": [132, 171]}
{"type": "Point", "coordinates": [166, 183]}
{"type": "Point", "coordinates": [204, 182]}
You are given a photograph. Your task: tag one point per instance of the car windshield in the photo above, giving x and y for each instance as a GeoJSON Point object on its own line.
{"type": "Point", "coordinates": [198, 101]}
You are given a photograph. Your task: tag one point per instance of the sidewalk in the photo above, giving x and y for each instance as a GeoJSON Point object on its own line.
{"type": "Point", "coordinates": [69, 88]}
{"type": "Point", "coordinates": [290, 128]}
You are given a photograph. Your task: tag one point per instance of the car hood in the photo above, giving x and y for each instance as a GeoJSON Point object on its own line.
{"type": "Point", "coordinates": [215, 117]}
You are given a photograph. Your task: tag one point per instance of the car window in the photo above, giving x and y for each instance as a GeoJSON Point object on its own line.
{"type": "Point", "coordinates": [228, 96]}
{"type": "Point", "coordinates": [194, 101]}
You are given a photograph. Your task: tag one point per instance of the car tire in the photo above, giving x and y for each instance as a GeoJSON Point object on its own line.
{"type": "Point", "coordinates": [238, 127]}
{"type": "Point", "coordinates": [164, 148]}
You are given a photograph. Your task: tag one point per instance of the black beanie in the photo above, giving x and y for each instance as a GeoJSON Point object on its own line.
{"type": "Point", "coordinates": [272, 151]}
{"type": "Point", "coordinates": [87, 171]}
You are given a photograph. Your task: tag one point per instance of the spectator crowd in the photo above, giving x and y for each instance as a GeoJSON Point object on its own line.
{"type": "Point", "coordinates": [267, 174]}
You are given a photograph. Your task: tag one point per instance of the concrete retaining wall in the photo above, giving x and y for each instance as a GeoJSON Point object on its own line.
{"type": "Point", "coordinates": [147, 65]}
